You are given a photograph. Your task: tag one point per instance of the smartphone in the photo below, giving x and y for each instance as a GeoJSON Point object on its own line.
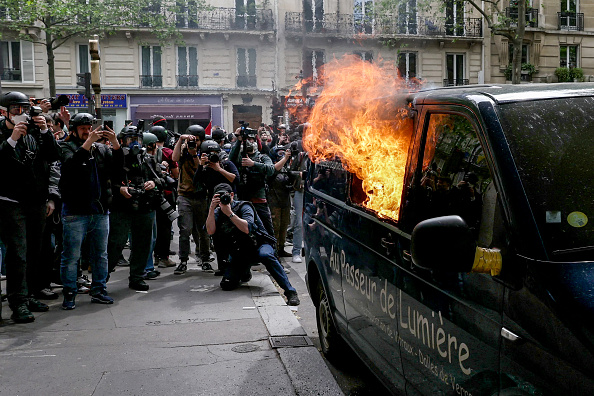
{"type": "Point", "coordinates": [96, 124]}
{"type": "Point", "coordinates": [108, 123]}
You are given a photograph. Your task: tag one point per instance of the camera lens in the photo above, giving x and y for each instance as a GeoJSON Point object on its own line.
{"type": "Point", "coordinates": [213, 157]}
{"type": "Point", "coordinates": [192, 144]}
{"type": "Point", "coordinates": [225, 198]}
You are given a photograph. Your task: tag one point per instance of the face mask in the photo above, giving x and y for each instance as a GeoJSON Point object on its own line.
{"type": "Point", "coordinates": [19, 118]}
{"type": "Point", "coordinates": [251, 147]}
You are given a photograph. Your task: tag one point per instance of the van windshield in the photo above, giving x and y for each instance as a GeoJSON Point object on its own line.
{"type": "Point", "coordinates": [552, 142]}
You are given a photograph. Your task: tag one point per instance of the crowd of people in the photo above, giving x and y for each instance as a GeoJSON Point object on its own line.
{"type": "Point", "coordinates": [78, 193]}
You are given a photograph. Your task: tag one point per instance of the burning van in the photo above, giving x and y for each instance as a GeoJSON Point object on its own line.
{"type": "Point", "coordinates": [449, 237]}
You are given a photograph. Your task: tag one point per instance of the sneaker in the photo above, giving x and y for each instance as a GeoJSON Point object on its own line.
{"type": "Point", "coordinates": [35, 305]}
{"type": "Point", "coordinates": [288, 243]}
{"type": "Point", "coordinates": [228, 284]}
{"type": "Point", "coordinates": [2, 277]}
{"type": "Point", "coordinates": [296, 259]}
{"type": "Point", "coordinates": [21, 314]}
{"type": "Point", "coordinates": [166, 263]}
{"type": "Point", "coordinates": [246, 277]}
{"type": "Point", "coordinates": [287, 270]}
{"type": "Point", "coordinates": [84, 281]}
{"type": "Point", "coordinates": [122, 262]}
{"type": "Point", "coordinates": [138, 285]}
{"type": "Point", "coordinates": [207, 259]}
{"type": "Point", "coordinates": [101, 298]}
{"type": "Point", "coordinates": [292, 298]}
{"type": "Point", "coordinates": [151, 275]}
{"type": "Point", "coordinates": [83, 290]}
{"type": "Point", "coordinates": [207, 268]}
{"type": "Point", "coordinates": [68, 303]}
{"type": "Point", "coordinates": [181, 269]}
{"type": "Point", "coordinates": [45, 294]}
{"type": "Point", "coordinates": [283, 253]}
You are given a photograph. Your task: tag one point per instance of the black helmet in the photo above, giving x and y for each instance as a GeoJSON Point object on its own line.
{"type": "Point", "coordinates": [129, 131]}
{"type": "Point", "coordinates": [209, 146]}
{"type": "Point", "coordinates": [148, 138]}
{"type": "Point", "coordinates": [218, 135]}
{"type": "Point", "coordinates": [160, 132]}
{"type": "Point", "coordinates": [197, 131]}
{"type": "Point", "coordinates": [13, 98]}
{"type": "Point", "coordinates": [81, 119]}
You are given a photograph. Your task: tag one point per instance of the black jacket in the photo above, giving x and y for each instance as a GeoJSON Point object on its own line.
{"type": "Point", "coordinates": [26, 168]}
{"type": "Point", "coordinates": [79, 195]}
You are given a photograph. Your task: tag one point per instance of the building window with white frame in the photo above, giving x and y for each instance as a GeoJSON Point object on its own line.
{"type": "Point", "coordinates": [407, 65]}
{"type": "Point", "coordinates": [83, 58]}
{"type": "Point", "coordinates": [568, 55]}
{"type": "Point", "coordinates": [187, 67]}
{"type": "Point", "coordinates": [151, 66]}
{"type": "Point", "coordinates": [17, 61]}
{"type": "Point", "coordinates": [246, 67]}
{"type": "Point", "coordinates": [363, 16]}
{"type": "Point", "coordinates": [364, 55]}
{"type": "Point", "coordinates": [313, 61]}
{"type": "Point", "coordinates": [455, 70]}
{"type": "Point", "coordinates": [313, 12]}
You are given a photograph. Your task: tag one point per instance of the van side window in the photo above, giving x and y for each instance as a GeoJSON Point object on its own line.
{"type": "Point", "coordinates": [329, 177]}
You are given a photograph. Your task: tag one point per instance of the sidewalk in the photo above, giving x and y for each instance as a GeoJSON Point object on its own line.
{"type": "Point", "coordinates": [185, 336]}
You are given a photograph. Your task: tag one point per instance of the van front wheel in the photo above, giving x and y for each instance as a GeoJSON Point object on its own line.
{"type": "Point", "coordinates": [329, 338]}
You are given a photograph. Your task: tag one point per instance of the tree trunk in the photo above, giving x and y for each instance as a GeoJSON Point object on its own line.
{"type": "Point", "coordinates": [50, 64]}
{"type": "Point", "coordinates": [517, 43]}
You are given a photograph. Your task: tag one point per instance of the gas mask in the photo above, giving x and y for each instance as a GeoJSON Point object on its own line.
{"type": "Point", "coordinates": [251, 147]}
{"type": "Point", "coordinates": [134, 147]}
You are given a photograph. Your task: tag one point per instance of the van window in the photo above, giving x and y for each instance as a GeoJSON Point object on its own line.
{"type": "Point", "coordinates": [329, 177]}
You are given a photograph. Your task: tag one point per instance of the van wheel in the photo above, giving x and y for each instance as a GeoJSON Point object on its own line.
{"type": "Point", "coordinates": [329, 338]}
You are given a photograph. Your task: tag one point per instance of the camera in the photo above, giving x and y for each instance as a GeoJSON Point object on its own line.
{"type": "Point", "coordinates": [32, 128]}
{"type": "Point", "coordinates": [56, 103]}
{"type": "Point", "coordinates": [214, 157]}
{"type": "Point", "coordinates": [136, 192]}
{"type": "Point", "coordinates": [212, 149]}
{"type": "Point", "coordinates": [192, 144]}
{"type": "Point", "coordinates": [169, 210]}
{"type": "Point", "coordinates": [246, 131]}
{"type": "Point", "coordinates": [225, 198]}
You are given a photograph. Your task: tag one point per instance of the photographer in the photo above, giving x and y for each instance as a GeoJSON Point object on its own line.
{"type": "Point", "coordinates": [172, 137]}
{"type": "Point", "coordinates": [298, 169]}
{"type": "Point", "coordinates": [236, 225]}
{"type": "Point", "coordinates": [192, 200]}
{"type": "Point", "coordinates": [254, 168]}
{"type": "Point", "coordinates": [163, 156]}
{"type": "Point", "coordinates": [279, 197]}
{"type": "Point", "coordinates": [88, 171]}
{"type": "Point", "coordinates": [215, 168]}
{"type": "Point", "coordinates": [140, 184]}
{"type": "Point", "coordinates": [26, 151]}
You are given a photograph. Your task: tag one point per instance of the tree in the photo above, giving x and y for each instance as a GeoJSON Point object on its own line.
{"type": "Point", "coordinates": [512, 27]}
{"type": "Point", "coordinates": [53, 22]}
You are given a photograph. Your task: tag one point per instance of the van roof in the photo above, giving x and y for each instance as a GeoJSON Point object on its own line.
{"type": "Point", "coordinates": [505, 93]}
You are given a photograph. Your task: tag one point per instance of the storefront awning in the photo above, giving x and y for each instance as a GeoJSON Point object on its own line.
{"type": "Point", "coordinates": [199, 112]}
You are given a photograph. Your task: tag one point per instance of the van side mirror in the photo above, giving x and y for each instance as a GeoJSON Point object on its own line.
{"type": "Point", "coordinates": [444, 244]}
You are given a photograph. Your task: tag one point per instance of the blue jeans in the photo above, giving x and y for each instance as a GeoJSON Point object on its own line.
{"type": "Point", "coordinates": [150, 263]}
{"type": "Point", "coordinates": [95, 229]}
{"type": "Point", "coordinates": [265, 255]}
{"type": "Point", "coordinates": [298, 225]}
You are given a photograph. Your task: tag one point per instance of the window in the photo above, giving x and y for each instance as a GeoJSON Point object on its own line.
{"type": "Point", "coordinates": [83, 58]}
{"type": "Point", "coordinates": [525, 57]}
{"type": "Point", "coordinates": [313, 60]}
{"type": "Point", "coordinates": [313, 12]}
{"type": "Point", "coordinates": [569, 18]}
{"type": "Point", "coordinates": [329, 177]}
{"type": "Point", "coordinates": [364, 55]}
{"type": "Point", "coordinates": [187, 14]}
{"type": "Point", "coordinates": [246, 67]}
{"type": "Point", "coordinates": [407, 17]}
{"type": "Point", "coordinates": [151, 66]}
{"type": "Point", "coordinates": [455, 70]}
{"type": "Point", "coordinates": [455, 17]}
{"type": "Point", "coordinates": [568, 55]}
{"type": "Point", "coordinates": [187, 67]}
{"type": "Point", "coordinates": [245, 14]}
{"type": "Point", "coordinates": [363, 16]}
{"type": "Point", "coordinates": [407, 65]}
{"type": "Point", "coordinates": [17, 61]}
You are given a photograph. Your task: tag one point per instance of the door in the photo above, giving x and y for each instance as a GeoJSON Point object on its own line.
{"type": "Point", "coordinates": [249, 114]}
{"type": "Point", "coordinates": [449, 323]}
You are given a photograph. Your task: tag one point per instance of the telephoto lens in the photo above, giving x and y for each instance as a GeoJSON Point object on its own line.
{"type": "Point", "coordinates": [225, 198]}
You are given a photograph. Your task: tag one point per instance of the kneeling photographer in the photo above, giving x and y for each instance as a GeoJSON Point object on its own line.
{"type": "Point", "coordinates": [236, 226]}
{"type": "Point", "coordinates": [140, 185]}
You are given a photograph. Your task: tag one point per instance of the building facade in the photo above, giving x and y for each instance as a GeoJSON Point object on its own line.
{"type": "Point", "coordinates": [241, 59]}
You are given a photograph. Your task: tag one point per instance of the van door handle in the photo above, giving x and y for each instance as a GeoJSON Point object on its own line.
{"type": "Point", "coordinates": [406, 255]}
{"type": "Point", "coordinates": [388, 243]}
{"type": "Point", "coordinates": [509, 335]}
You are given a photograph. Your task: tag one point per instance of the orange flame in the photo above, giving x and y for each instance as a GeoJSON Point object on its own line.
{"type": "Point", "coordinates": [361, 118]}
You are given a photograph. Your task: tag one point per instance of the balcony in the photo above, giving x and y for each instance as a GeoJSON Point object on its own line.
{"type": "Point", "coordinates": [150, 81]}
{"type": "Point", "coordinates": [382, 25]}
{"type": "Point", "coordinates": [531, 16]}
{"type": "Point", "coordinates": [187, 81]}
{"type": "Point", "coordinates": [570, 21]}
{"type": "Point", "coordinates": [246, 81]}
{"type": "Point", "coordinates": [454, 82]}
{"type": "Point", "coordinates": [10, 74]}
{"type": "Point", "coordinates": [226, 19]}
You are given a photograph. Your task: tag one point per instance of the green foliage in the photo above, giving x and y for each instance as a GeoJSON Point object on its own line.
{"type": "Point", "coordinates": [527, 67]}
{"type": "Point", "coordinates": [562, 74]}
{"type": "Point", "coordinates": [576, 74]}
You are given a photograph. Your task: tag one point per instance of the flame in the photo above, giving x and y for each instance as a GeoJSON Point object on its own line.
{"type": "Point", "coordinates": [360, 117]}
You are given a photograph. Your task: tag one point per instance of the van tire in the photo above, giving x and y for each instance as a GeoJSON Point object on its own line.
{"type": "Point", "coordinates": [330, 341]}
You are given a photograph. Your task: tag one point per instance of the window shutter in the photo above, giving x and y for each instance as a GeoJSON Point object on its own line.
{"type": "Point", "coordinates": [27, 62]}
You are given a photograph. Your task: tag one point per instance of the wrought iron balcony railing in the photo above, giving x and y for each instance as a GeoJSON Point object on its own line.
{"type": "Point", "coordinates": [531, 16]}
{"type": "Point", "coordinates": [570, 21]}
{"type": "Point", "coordinates": [187, 80]}
{"type": "Point", "coordinates": [403, 24]}
{"type": "Point", "coordinates": [150, 81]}
{"type": "Point", "coordinates": [454, 82]}
{"type": "Point", "coordinates": [246, 81]}
{"type": "Point", "coordinates": [226, 19]}
{"type": "Point", "coordinates": [10, 74]}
